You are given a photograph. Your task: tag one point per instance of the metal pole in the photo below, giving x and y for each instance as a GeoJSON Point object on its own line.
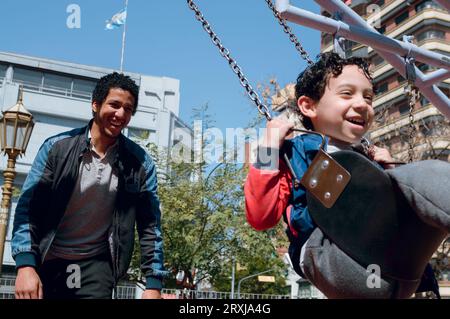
{"type": "Point", "coordinates": [233, 269]}
{"type": "Point", "coordinates": [435, 77]}
{"type": "Point", "coordinates": [351, 16]}
{"type": "Point", "coordinates": [123, 36]}
{"type": "Point", "coordinates": [431, 92]}
{"type": "Point", "coordinates": [9, 174]}
{"type": "Point", "coordinates": [239, 282]}
{"type": "Point", "coordinates": [365, 36]}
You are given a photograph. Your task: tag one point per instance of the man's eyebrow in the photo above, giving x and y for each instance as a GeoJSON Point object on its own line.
{"type": "Point", "coordinates": [113, 100]}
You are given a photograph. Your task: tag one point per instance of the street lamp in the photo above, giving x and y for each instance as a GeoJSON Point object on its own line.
{"type": "Point", "coordinates": [254, 275]}
{"type": "Point", "coordinates": [16, 126]}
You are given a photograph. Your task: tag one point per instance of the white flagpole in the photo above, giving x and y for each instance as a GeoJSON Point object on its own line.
{"type": "Point", "coordinates": [123, 36]}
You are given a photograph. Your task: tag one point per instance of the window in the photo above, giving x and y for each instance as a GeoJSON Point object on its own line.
{"type": "Point", "coordinates": [424, 101]}
{"type": "Point", "coordinates": [58, 83]}
{"type": "Point", "coordinates": [327, 39]}
{"type": "Point", "coordinates": [381, 29]}
{"type": "Point", "coordinates": [382, 88]}
{"type": "Point", "coordinates": [400, 79]}
{"type": "Point", "coordinates": [403, 108]}
{"type": "Point", "coordinates": [402, 17]}
{"type": "Point", "coordinates": [427, 4]}
{"type": "Point", "coordinates": [377, 60]}
{"type": "Point", "coordinates": [427, 67]}
{"type": "Point", "coordinates": [30, 79]}
{"type": "Point", "coordinates": [431, 34]}
{"type": "Point", "coordinates": [62, 84]}
{"type": "Point", "coordinates": [83, 88]}
{"type": "Point", "coordinates": [380, 3]}
{"type": "Point", "coordinates": [3, 68]}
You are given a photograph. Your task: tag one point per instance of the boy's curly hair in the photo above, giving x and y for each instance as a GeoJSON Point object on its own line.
{"type": "Point", "coordinates": [115, 80]}
{"type": "Point", "coordinates": [313, 80]}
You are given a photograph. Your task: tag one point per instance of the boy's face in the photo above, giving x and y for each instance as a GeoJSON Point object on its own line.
{"type": "Point", "coordinates": [345, 110]}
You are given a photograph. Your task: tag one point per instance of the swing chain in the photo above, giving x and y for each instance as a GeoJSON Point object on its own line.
{"type": "Point", "coordinates": [262, 108]}
{"type": "Point", "coordinates": [413, 95]}
{"type": "Point", "coordinates": [288, 30]}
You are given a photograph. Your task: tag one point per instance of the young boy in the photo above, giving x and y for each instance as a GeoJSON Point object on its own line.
{"type": "Point", "coordinates": [334, 96]}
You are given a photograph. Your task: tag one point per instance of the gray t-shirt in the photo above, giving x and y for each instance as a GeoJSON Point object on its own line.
{"type": "Point", "coordinates": [83, 230]}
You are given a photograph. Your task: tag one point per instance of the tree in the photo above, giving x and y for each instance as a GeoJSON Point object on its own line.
{"type": "Point", "coordinates": [204, 226]}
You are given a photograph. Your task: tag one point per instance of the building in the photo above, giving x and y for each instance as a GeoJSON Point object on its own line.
{"type": "Point", "coordinates": [58, 94]}
{"type": "Point", "coordinates": [429, 23]}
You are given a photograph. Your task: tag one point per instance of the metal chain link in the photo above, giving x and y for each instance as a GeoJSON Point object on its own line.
{"type": "Point", "coordinates": [413, 95]}
{"type": "Point", "coordinates": [262, 108]}
{"type": "Point", "coordinates": [288, 31]}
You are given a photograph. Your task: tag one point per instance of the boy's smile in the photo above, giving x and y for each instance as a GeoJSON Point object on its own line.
{"type": "Point", "coordinates": [344, 112]}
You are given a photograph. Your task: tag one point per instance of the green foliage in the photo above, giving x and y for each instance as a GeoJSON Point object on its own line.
{"type": "Point", "coordinates": [204, 227]}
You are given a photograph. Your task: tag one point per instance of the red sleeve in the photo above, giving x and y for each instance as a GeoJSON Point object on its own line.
{"type": "Point", "coordinates": [267, 194]}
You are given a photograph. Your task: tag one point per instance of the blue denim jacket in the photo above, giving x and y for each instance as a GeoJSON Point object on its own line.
{"type": "Point", "coordinates": [300, 150]}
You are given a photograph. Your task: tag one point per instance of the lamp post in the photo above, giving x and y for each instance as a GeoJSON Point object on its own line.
{"type": "Point", "coordinates": [16, 126]}
{"type": "Point", "coordinates": [254, 275]}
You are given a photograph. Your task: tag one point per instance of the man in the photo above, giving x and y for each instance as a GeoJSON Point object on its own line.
{"type": "Point", "coordinates": [73, 232]}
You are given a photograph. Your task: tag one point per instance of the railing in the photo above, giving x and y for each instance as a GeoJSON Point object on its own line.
{"type": "Point", "coordinates": [128, 291]}
{"type": "Point", "coordinates": [194, 294]}
{"type": "Point", "coordinates": [54, 90]}
{"type": "Point", "coordinates": [7, 283]}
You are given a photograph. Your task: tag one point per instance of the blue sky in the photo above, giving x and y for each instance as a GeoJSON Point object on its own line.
{"type": "Point", "coordinates": [165, 39]}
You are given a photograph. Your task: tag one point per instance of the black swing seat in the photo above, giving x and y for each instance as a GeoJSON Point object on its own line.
{"type": "Point", "coordinates": [372, 222]}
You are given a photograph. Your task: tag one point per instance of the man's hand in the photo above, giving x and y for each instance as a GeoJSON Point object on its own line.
{"type": "Point", "coordinates": [28, 284]}
{"type": "Point", "coordinates": [276, 132]}
{"type": "Point", "coordinates": [151, 294]}
{"type": "Point", "coordinates": [382, 156]}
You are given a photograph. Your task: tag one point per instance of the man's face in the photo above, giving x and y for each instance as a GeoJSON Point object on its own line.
{"type": "Point", "coordinates": [345, 110]}
{"type": "Point", "coordinates": [114, 114]}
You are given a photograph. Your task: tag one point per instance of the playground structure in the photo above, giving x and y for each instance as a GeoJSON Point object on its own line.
{"type": "Point", "coordinates": [401, 55]}
{"type": "Point", "coordinates": [396, 219]}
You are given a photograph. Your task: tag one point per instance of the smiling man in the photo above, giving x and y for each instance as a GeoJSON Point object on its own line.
{"type": "Point", "coordinates": [73, 232]}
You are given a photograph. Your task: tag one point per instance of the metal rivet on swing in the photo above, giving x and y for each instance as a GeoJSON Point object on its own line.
{"type": "Point", "coordinates": [327, 195]}
{"type": "Point", "coordinates": [325, 164]}
{"type": "Point", "coordinates": [313, 183]}
{"type": "Point", "coordinates": [339, 178]}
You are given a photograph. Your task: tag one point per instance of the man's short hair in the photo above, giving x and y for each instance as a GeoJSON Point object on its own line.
{"type": "Point", "coordinates": [115, 80]}
{"type": "Point", "coordinates": [313, 80]}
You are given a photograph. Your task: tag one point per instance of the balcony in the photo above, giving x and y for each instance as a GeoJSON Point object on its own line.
{"type": "Point", "coordinates": [412, 22]}
{"type": "Point", "coordinates": [403, 120]}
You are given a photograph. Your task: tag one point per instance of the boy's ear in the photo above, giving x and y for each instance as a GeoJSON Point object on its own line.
{"type": "Point", "coordinates": [307, 106]}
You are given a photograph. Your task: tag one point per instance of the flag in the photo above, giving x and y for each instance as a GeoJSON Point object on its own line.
{"type": "Point", "coordinates": [117, 20]}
